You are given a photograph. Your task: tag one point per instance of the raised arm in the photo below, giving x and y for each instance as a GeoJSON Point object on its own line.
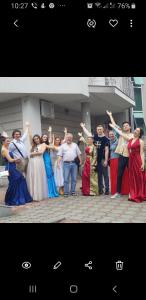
{"type": "Point", "coordinates": [65, 133]}
{"type": "Point", "coordinates": [109, 113]}
{"type": "Point", "coordinates": [82, 139]}
{"type": "Point", "coordinates": [53, 140]}
{"type": "Point", "coordinates": [30, 135]}
{"type": "Point", "coordinates": [50, 134]}
{"type": "Point", "coordinates": [26, 132]}
{"type": "Point", "coordinates": [88, 133]}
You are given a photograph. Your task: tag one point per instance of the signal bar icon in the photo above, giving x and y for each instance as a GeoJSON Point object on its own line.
{"type": "Point", "coordinates": [106, 6]}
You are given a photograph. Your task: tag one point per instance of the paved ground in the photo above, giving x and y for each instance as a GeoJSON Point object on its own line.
{"type": "Point", "coordinates": [79, 209]}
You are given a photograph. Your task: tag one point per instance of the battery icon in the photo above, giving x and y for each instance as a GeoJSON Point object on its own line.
{"type": "Point", "coordinates": [133, 5]}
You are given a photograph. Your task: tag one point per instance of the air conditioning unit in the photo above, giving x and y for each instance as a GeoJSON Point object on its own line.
{"type": "Point", "coordinates": [47, 109]}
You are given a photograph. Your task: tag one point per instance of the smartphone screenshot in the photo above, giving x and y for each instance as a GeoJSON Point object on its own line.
{"type": "Point", "coordinates": [72, 149]}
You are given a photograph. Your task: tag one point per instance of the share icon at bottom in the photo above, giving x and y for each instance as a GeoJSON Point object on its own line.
{"type": "Point", "coordinates": [89, 265]}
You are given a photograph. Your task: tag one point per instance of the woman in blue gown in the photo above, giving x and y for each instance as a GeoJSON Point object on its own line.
{"type": "Point", "coordinates": [49, 170]}
{"type": "Point", "coordinates": [17, 192]}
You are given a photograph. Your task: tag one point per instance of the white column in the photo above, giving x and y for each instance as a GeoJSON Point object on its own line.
{"type": "Point", "coordinates": [31, 114]}
{"type": "Point", "coordinates": [85, 114]}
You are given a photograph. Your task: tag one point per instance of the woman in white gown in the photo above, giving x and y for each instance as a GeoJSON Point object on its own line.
{"type": "Point", "coordinates": [36, 173]}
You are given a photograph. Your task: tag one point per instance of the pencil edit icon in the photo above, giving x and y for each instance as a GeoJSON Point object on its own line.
{"type": "Point", "coordinates": [57, 265]}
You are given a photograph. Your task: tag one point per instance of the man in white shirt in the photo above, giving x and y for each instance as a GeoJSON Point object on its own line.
{"type": "Point", "coordinates": [68, 152]}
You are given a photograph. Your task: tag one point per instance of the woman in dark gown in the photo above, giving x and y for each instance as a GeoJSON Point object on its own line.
{"type": "Point", "coordinates": [17, 192]}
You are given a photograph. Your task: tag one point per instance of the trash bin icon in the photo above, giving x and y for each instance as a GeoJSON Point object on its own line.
{"type": "Point", "coordinates": [119, 265]}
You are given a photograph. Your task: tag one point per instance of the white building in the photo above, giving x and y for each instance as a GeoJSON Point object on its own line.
{"type": "Point", "coordinates": [63, 102]}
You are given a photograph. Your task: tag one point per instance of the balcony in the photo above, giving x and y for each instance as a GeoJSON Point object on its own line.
{"type": "Point", "coordinates": [124, 84]}
{"type": "Point", "coordinates": [112, 93]}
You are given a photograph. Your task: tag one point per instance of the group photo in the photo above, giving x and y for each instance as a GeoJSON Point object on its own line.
{"type": "Point", "coordinates": [89, 164]}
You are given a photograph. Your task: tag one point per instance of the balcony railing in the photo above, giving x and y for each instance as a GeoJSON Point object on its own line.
{"type": "Point", "coordinates": [123, 83]}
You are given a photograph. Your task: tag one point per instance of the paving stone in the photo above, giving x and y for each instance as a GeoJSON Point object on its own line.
{"type": "Point", "coordinates": [81, 209]}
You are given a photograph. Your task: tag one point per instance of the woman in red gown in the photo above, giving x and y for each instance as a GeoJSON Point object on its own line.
{"type": "Point", "coordinates": [137, 182]}
{"type": "Point", "coordinates": [136, 167]}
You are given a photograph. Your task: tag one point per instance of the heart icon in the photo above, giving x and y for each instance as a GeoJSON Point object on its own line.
{"type": "Point", "coordinates": [113, 22]}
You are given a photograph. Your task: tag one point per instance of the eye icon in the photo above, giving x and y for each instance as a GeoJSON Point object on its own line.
{"type": "Point", "coordinates": [26, 265]}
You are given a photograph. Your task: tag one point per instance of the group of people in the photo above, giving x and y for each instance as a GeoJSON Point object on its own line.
{"type": "Point", "coordinates": [123, 153]}
{"type": "Point", "coordinates": [46, 171]}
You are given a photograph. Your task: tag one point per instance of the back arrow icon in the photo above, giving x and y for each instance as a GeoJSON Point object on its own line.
{"type": "Point", "coordinates": [15, 23]}
{"type": "Point", "coordinates": [114, 289]}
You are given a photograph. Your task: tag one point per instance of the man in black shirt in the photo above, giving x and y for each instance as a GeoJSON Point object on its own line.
{"type": "Point", "coordinates": [102, 143]}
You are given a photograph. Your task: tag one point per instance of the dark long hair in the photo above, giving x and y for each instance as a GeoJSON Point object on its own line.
{"type": "Point", "coordinates": [33, 142]}
{"type": "Point", "coordinates": [47, 142]}
{"type": "Point", "coordinates": [141, 133]}
{"type": "Point", "coordinates": [2, 139]}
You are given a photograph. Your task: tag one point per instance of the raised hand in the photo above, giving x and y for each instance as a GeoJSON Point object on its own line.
{"type": "Point", "coordinates": [109, 113]}
{"type": "Point", "coordinates": [82, 125]}
{"type": "Point", "coordinates": [27, 124]}
{"type": "Point", "coordinates": [65, 130]}
{"type": "Point", "coordinates": [50, 129]}
{"type": "Point", "coordinates": [80, 134]}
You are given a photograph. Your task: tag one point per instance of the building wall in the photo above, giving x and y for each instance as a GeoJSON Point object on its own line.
{"type": "Point", "coordinates": [10, 116]}
{"type": "Point", "coordinates": [63, 118]}
{"type": "Point", "coordinates": [46, 85]}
